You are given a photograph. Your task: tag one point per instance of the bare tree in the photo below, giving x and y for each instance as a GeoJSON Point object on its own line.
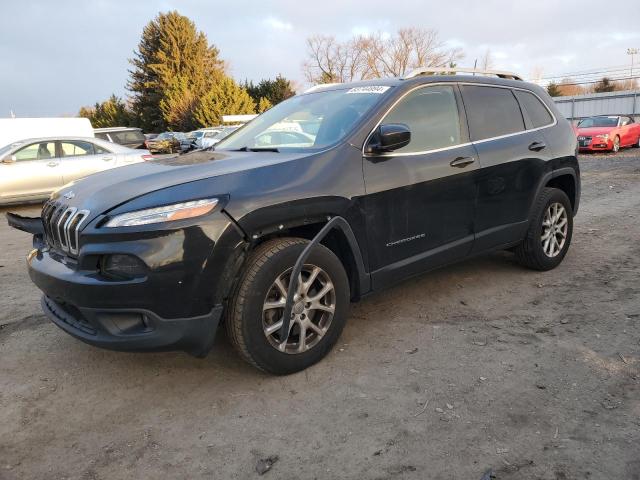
{"type": "Point", "coordinates": [536, 74]}
{"type": "Point", "coordinates": [375, 56]}
{"type": "Point", "coordinates": [486, 62]}
{"type": "Point", "coordinates": [567, 86]}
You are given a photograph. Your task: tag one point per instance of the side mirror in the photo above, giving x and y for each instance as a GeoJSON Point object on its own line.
{"type": "Point", "coordinates": [389, 137]}
{"type": "Point", "coordinates": [11, 159]}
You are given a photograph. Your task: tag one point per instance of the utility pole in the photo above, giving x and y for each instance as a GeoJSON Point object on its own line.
{"type": "Point", "coordinates": [633, 52]}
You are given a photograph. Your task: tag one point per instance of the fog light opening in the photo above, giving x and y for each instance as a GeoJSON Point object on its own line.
{"type": "Point", "coordinates": [122, 267]}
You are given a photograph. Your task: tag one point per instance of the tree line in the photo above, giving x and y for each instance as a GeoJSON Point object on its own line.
{"type": "Point", "coordinates": [568, 86]}
{"type": "Point", "coordinates": [179, 82]}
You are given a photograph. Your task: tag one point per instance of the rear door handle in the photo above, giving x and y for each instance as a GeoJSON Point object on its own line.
{"type": "Point", "coordinates": [462, 162]}
{"type": "Point", "coordinates": [107, 159]}
{"type": "Point", "coordinates": [537, 146]}
{"type": "Point", "coordinates": [52, 164]}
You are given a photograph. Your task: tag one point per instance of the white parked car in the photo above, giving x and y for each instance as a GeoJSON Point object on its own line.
{"type": "Point", "coordinates": [15, 129]}
{"type": "Point", "coordinates": [31, 169]}
{"type": "Point", "coordinates": [203, 133]}
{"type": "Point", "coordinates": [210, 138]}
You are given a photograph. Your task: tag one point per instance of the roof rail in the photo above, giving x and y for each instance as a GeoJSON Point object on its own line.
{"type": "Point", "coordinates": [455, 70]}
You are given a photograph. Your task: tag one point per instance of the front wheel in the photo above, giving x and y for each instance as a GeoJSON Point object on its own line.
{"type": "Point", "coordinates": [616, 145]}
{"type": "Point", "coordinates": [255, 315]}
{"type": "Point", "coordinates": [637, 144]}
{"type": "Point", "coordinates": [549, 233]}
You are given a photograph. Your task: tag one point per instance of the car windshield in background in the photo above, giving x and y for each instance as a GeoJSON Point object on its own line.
{"type": "Point", "coordinates": [4, 150]}
{"type": "Point", "coordinates": [598, 122]}
{"type": "Point", "coordinates": [309, 122]}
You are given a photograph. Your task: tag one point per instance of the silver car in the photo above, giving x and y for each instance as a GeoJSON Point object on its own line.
{"type": "Point", "coordinates": [31, 169]}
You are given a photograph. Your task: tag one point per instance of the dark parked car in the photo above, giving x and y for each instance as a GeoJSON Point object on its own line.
{"type": "Point", "coordinates": [127, 136]}
{"type": "Point", "coordinates": [167, 142]}
{"type": "Point", "coordinates": [403, 175]}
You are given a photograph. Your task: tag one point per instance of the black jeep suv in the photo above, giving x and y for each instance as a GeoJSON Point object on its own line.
{"type": "Point", "coordinates": [325, 198]}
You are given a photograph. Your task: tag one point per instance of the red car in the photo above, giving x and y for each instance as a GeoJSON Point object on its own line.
{"type": "Point", "coordinates": [607, 133]}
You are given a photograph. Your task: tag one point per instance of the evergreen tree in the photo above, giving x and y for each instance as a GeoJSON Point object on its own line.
{"type": "Point", "coordinates": [172, 68]}
{"type": "Point", "coordinates": [263, 105]}
{"type": "Point", "coordinates": [604, 85]}
{"type": "Point", "coordinates": [113, 112]}
{"type": "Point", "coordinates": [275, 91]}
{"type": "Point", "coordinates": [553, 90]}
{"type": "Point", "coordinates": [225, 97]}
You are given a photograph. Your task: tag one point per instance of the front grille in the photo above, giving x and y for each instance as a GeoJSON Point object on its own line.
{"type": "Point", "coordinates": [584, 141]}
{"type": "Point", "coordinates": [62, 225]}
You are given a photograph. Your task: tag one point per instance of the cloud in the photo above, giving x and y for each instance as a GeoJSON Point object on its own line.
{"type": "Point", "coordinates": [43, 75]}
{"type": "Point", "coordinates": [277, 24]}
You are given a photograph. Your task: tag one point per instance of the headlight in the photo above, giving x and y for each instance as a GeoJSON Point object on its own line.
{"type": "Point", "coordinates": [604, 136]}
{"type": "Point", "coordinates": [177, 211]}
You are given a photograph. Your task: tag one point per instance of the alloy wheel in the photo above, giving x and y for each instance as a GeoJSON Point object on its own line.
{"type": "Point", "coordinates": [616, 144]}
{"type": "Point", "coordinates": [313, 309]}
{"type": "Point", "coordinates": [555, 224]}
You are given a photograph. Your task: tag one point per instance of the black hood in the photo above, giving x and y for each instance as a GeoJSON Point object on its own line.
{"type": "Point", "coordinates": [105, 190]}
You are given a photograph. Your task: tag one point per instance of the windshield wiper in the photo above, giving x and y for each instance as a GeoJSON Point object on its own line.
{"type": "Point", "coordinates": [258, 149]}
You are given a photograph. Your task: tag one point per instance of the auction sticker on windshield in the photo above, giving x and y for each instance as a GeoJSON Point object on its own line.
{"type": "Point", "coordinates": [372, 89]}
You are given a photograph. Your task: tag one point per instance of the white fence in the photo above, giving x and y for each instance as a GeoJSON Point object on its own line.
{"type": "Point", "coordinates": [611, 103]}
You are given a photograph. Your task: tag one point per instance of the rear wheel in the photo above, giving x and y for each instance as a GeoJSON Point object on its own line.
{"type": "Point", "coordinates": [637, 144]}
{"type": "Point", "coordinates": [550, 231]}
{"type": "Point", "coordinates": [255, 314]}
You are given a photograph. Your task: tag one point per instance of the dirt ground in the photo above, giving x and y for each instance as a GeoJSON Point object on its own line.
{"type": "Point", "coordinates": [481, 366]}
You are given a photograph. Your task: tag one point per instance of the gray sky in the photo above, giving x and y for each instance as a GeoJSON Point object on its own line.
{"type": "Point", "coordinates": [56, 56]}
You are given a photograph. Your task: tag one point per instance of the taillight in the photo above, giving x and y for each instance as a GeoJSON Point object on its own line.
{"type": "Point", "coordinates": [146, 158]}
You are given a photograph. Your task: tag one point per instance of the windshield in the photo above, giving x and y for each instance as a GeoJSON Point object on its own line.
{"type": "Point", "coordinates": [164, 136]}
{"type": "Point", "coordinates": [598, 122]}
{"type": "Point", "coordinates": [4, 150]}
{"type": "Point", "coordinates": [310, 122]}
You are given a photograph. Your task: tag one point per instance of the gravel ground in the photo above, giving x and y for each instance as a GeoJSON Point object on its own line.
{"type": "Point", "coordinates": [481, 366]}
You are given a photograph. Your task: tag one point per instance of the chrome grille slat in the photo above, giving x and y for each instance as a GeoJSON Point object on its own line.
{"type": "Point", "coordinates": [62, 225]}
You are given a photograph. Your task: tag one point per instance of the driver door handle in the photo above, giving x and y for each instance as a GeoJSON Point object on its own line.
{"type": "Point", "coordinates": [462, 162]}
{"type": "Point", "coordinates": [52, 164]}
{"type": "Point", "coordinates": [107, 159]}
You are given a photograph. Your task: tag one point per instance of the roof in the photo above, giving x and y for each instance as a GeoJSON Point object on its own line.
{"type": "Point", "coordinates": [115, 129]}
{"type": "Point", "coordinates": [115, 147]}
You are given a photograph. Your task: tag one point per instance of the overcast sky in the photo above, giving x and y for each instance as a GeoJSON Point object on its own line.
{"type": "Point", "coordinates": [56, 56]}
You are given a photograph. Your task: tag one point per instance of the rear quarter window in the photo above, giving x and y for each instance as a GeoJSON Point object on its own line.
{"type": "Point", "coordinates": [491, 111]}
{"type": "Point", "coordinates": [538, 114]}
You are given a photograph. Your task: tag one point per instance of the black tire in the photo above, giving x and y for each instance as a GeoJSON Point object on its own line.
{"type": "Point", "coordinates": [530, 252]}
{"type": "Point", "coordinates": [637, 144]}
{"type": "Point", "coordinates": [244, 318]}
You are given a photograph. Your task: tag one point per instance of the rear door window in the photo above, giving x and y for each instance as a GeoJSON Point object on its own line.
{"type": "Point", "coordinates": [431, 113]}
{"type": "Point", "coordinates": [538, 114]}
{"type": "Point", "coordinates": [76, 148]}
{"type": "Point", "coordinates": [99, 150]}
{"type": "Point", "coordinates": [491, 112]}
